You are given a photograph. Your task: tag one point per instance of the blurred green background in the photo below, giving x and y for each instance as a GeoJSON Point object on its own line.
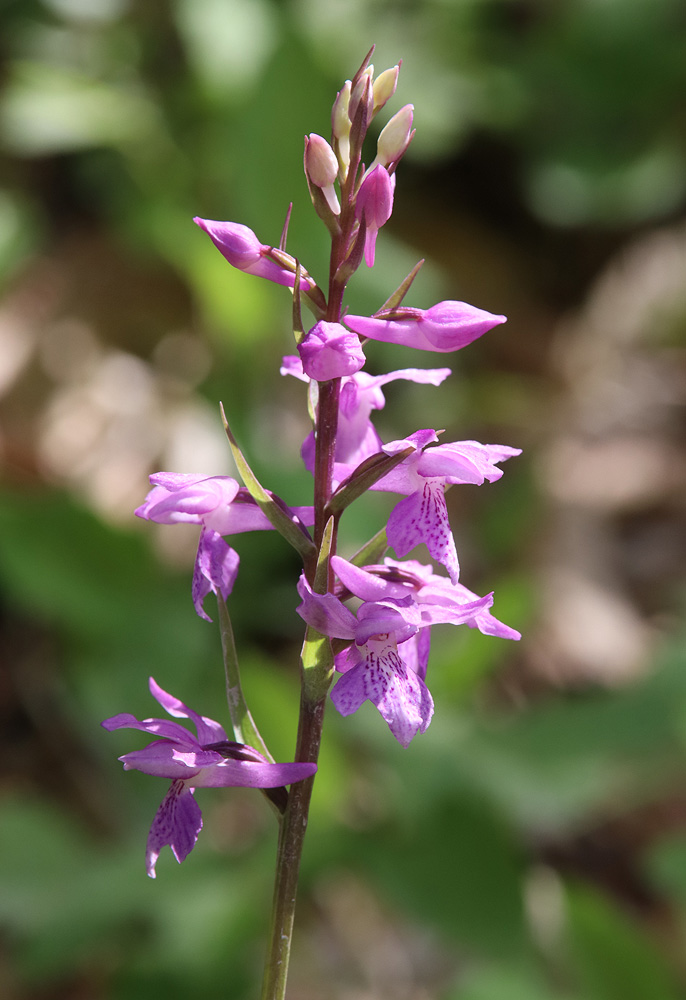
{"type": "Point", "coordinates": [532, 844]}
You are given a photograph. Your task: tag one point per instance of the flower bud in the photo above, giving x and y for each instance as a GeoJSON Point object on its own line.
{"type": "Point", "coordinates": [363, 86]}
{"type": "Point", "coordinates": [447, 326]}
{"type": "Point", "coordinates": [330, 351]}
{"type": "Point", "coordinates": [395, 137]}
{"type": "Point", "coordinates": [320, 161]}
{"type": "Point", "coordinates": [340, 127]}
{"type": "Point", "coordinates": [243, 250]}
{"type": "Point", "coordinates": [374, 202]}
{"type": "Point", "coordinates": [340, 119]}
{"type": "Point", "coordinates": [384, 86]}
{"type": "Point", "coordinates": [321, 167]}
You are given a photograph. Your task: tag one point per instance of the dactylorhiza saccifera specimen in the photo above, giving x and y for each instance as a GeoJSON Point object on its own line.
{"type": "Point", "coordinates": [378, 650]}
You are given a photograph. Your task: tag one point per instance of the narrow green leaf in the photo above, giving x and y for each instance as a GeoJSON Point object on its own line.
{"type": "Point", "coordinates": [321, 579]}
{"type": "Point", "coordinates": [284, 231]}
{"type": "Point", "coordinates": [372, 551]}
{"type": "Point", "coordinates": [298, 331]}
{"type": "Point", "coordinates": [317, 664]}
{"type": "Point", "coordinates": [365, 475]}
{"type": "Point", "coordinates": [244, 728]}
{"type": "Point", "coordinates": [295, 533]}
{"type": "Point", "coordinates": [394, 300]}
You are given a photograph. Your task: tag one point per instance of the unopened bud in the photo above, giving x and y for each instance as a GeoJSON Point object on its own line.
{"type": "Point", "coordinates": [374, 203]}
{"type": "Point", "coordinates": [358, 92]}
{"type": "Point", "coordinates": [384, 86]}
{"type": "Point", "coordinates": [395, 136]}
{"type": "Point", "coordinates": [340, 119]}
{"type": "Point", "coordinates": [340, 127]}
{"type": "Point", "coordinates": [321, 167]}
{"type": "Point", "coordinates": [320, 161]}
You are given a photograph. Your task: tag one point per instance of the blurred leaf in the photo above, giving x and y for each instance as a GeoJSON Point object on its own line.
{"type": "Point", "coordinates": [46, 109]}
{"type": "Point", "coordinates": [614, 957]}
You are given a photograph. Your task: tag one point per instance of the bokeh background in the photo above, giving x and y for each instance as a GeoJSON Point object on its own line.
{"type": "Point", "coordinates": [532, 844]}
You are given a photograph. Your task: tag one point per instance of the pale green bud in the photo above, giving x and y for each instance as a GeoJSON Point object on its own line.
{"type": "Point", "coordinates": [384, 86]}
{"type": "Point", "coordinates": [395, 136]}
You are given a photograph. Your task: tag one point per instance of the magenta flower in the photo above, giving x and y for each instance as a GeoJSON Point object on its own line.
{"type": "Point", "coordinates": [330, 351]}
{"type": "Point", "coordinates": [447, 326]}
{"type": "Point", "coordinates": [393, 579]}
{"type": "Point", "coordinates": [374, 203]}
{"type": "Point", "coordinates": [208, 760]}
{"type": "Point", "coordinates": [221, 507]}
{"type": "Point", "coordinates": [424, 476]}
{"type": "Point", "coordinates": [241, 247]}
{"type": "Point", "coordinates": [361, 393]}
{"type": "Point", "coordinates": [386, 661]}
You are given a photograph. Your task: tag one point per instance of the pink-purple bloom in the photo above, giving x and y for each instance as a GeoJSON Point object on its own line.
{"type": "Point", "coordinates": [447, 326]}
{"type": "Point", "coordinates": [361, 393]}
{"type": "Point", "coordinates": [243, 250]}
{"type": "Point", "coordinates": [424, 476]}
{"type": "Point", "coordinates": [374, 204]}
{"type": "Point", "coordinates": [386, 660]}
{"type": "Point", "coordinates": [330, 351]}
{"type": "Point", "coordinates": [221, 507]}
{"type": "Point", "coordinates": [206, 760]}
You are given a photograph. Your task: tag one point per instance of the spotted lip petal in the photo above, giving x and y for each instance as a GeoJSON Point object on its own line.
{"type": "Point", "coordinates": [400, 695]}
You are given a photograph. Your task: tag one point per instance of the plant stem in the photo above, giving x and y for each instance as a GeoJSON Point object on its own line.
{"type": "Point", "coordinates": [291, 838]}
{"type": "Point", "coordinates": [317, 660]}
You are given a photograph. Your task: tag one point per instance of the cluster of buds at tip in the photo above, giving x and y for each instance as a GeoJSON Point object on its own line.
{"type": "Point", "coordinates": [366, 194]}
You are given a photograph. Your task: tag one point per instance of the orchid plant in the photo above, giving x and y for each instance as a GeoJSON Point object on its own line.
{"type": "Point", "coordinates": [378, 649]}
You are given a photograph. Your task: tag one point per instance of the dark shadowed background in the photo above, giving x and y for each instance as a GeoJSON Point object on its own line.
{"type": "Point", "coordinates": [532, 844]}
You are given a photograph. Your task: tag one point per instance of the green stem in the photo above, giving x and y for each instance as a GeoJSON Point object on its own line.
{"type": "Point", "coordinates": [317, 658]}
{"type": "Point", "coordinates": [291, 838]}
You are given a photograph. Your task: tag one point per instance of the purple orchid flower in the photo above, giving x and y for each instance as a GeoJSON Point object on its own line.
{"type": "Point", "coordinates": [424, 476]}
{"type": "Point", "coordinates": [387, 659]}
{"type": "Point", "coordinates": [361, 393]}
{"type": "Point", "coordinates": [241, 247]}
{"type": "Point", "coordinates": [374, 203]}
{"type": "Point", "coordinates": [447, 326]}
{"type": "Point", "coordinates": [208, 760]}
{"type": "Point", "coordinates": [330, 351]}
{"type": "Point", "coordinates": [221, 507]}
{"type": "Point", "coordinates": [394, 579]}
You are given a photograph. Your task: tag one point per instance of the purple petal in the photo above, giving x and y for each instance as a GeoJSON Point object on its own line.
{"type": "Point", "coordinates": [367, 586]}
{"type": "Point", "coordinates": [465, 461]}
{"type": "Point", "coordinates": [216, 569]}
{"type": "Point", "coordinates": [325, 613]}
{"type": "Point", "coordinates": [209, 731]}
{"type": "Point", "coordinates": [399, 619]}
{"type": "Point", "coordinates": [486, 623]}
{"type": "Point", "coordinates": [249, 774]}
{"type": "Point", "coordinates": [415, 652]}
{"type": "Point", "coordinates": [162, 759]}
{"type": "Point", "coordinates": [157, 727]}
{"type": "Point", "coordinates": [178, 822]}
{"type": "Point", "coordinates": [423, 517]}
{"type": "Point", "coordinates": [192, 501]}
